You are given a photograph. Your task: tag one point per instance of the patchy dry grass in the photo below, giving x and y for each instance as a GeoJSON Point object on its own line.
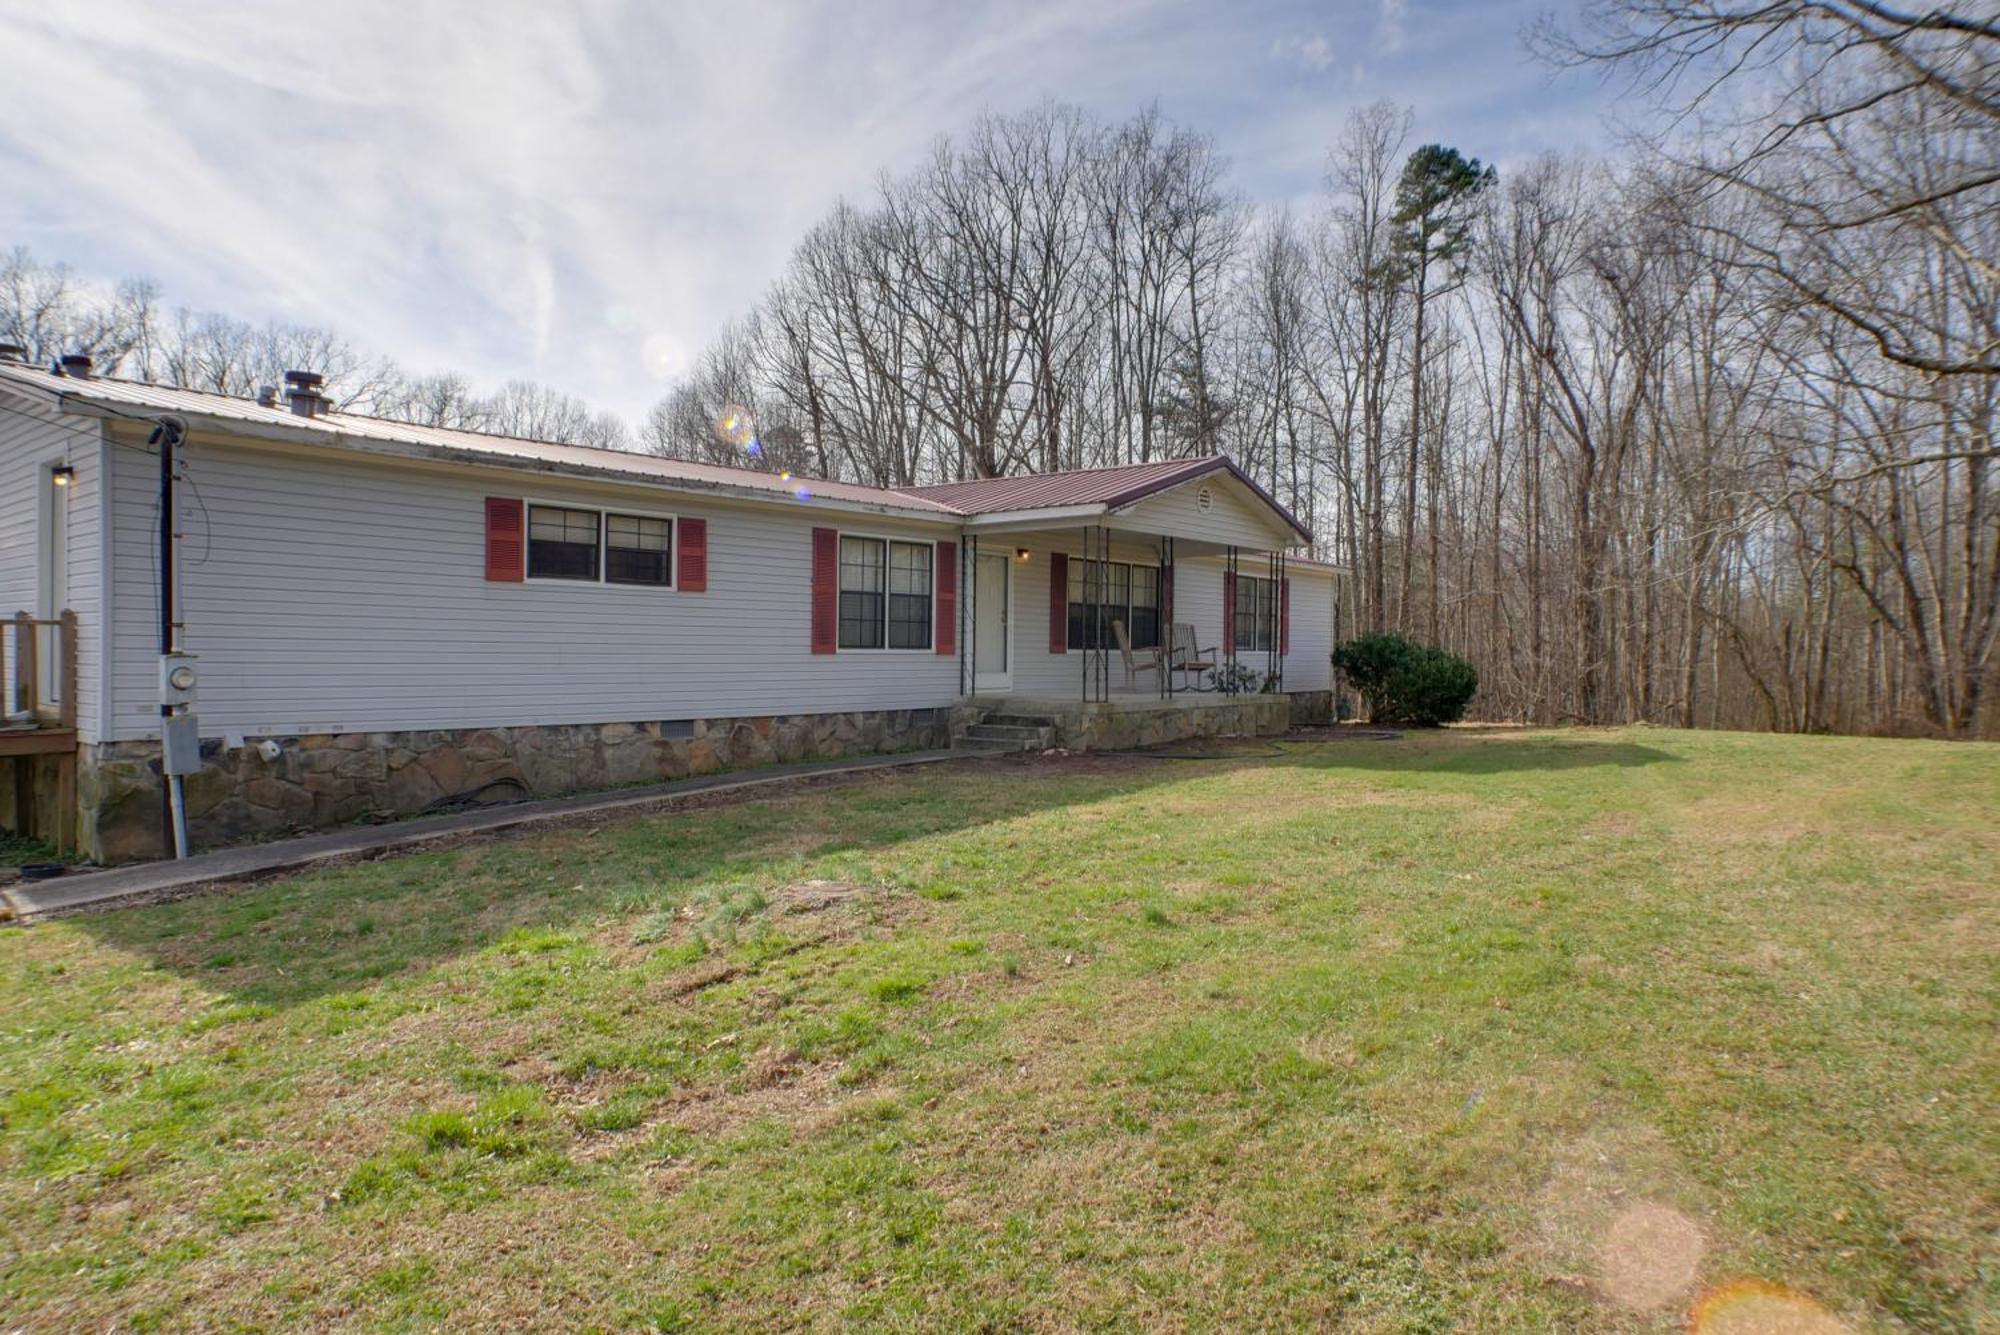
{"type": "Point", "coordinates": [1503, 1031]}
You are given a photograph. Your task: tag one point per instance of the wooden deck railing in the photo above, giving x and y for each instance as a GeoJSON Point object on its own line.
{"type": "Point", "coordinates": [38, 698]}
{"type": "Point", "coordinates": [38, 691]}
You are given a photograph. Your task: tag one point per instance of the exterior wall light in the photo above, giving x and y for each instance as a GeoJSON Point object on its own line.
{"type": "Point", "coordinates": [1020, 553]}
{"type": "Point", "coordinates": [62, 475]}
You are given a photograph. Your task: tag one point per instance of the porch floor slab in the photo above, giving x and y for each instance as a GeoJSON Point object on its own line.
{"type": "Point", "coordinates": [1120, 702]}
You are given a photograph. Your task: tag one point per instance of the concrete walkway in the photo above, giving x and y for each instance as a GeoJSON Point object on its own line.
{"type": "Point", "coordinates": [164, 880]}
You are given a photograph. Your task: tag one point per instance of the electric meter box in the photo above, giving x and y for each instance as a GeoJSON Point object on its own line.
{"type": "Point", "coordinates": [180, 744]}
{"type": "Point", "coordinates": [177, 679]}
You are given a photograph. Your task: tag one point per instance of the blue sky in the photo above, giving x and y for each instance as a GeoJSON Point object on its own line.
{"type": "Point", "coordinates": [582, 193]}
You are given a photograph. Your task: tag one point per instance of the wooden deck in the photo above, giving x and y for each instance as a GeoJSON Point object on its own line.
{"type": "Point", "coordinates": [37, 725]}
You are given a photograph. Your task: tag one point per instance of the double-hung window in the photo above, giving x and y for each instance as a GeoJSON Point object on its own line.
{"type": "Point", "coordinates": [638, 549]}
{"type": "Point", "coordinates": [599, 547]}
{"type": "Point", "coordinates": [885, 594]}
{"type": "Point", "coordinates": [909, 595]}
{"type": "Point", "coordinates": [1101, 592]}
{"type": "Point", "coordinates": [563, 544]}
{"type": "Point", "coordinates": [1256, 614]}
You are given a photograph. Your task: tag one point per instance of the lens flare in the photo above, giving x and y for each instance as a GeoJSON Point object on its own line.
{"type": "Point", "coordinates": [1753, 1307]}
{"type": "Point", "coordinates": [735, 426]}
{"type": "Point", "coordinates": [1650, 1256]}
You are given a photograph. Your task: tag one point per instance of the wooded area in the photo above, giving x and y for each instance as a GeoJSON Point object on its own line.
{"type": "Point", "coordinates": [1700, 434]}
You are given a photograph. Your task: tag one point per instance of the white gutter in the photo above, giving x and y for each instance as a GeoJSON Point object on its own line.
{"type": "Point", "coordinates": [1002, 520]}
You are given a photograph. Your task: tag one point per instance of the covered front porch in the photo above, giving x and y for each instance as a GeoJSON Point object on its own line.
{"type": "Point", "coordinates": [1167, 619]}
{"type": "Point", "coordinates": [1130, 614]}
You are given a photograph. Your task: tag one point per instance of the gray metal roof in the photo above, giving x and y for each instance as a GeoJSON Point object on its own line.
{"type": "Point", "coordinates": [142, 400]}
{"type": "Point", "coordinates": [1114, 487]}
{"type": "Point", "coordinates": [1108, 488]}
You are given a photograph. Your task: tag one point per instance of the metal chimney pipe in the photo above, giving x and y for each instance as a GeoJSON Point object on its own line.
{"type": "Point", "coordinates": [302, 392]}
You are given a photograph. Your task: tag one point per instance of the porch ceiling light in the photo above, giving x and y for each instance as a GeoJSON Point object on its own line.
{"type": "Point", "coordinates": [62, 475]}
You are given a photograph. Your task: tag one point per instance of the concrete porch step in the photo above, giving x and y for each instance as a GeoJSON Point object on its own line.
{"type": "Point", "coordinates": [1002, 720]}
{"type": "Point", "coordinates": [963, 745]}
{"type": "Point", "coordinates": [1005, 732]}
{"type": "Point", "coordinates": [1029, 734]}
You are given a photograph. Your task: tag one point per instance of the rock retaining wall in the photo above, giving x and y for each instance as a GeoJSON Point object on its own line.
{"type": "Point", "coordinates": [319, 781]}
{"type": "Point", "coordinates": [1312, 707]}
{"type": "Point", "coordinates": [1102, 728]}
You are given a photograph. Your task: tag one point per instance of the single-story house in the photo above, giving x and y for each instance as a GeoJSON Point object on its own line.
{"type": "Point", "coordinates": [385, 617]}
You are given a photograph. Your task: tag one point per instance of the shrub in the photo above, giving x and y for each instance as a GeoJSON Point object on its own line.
{"type": "Point", "coordinates": [1237, 679]}
{"type": "Point", "coordinates": [1407, 683]}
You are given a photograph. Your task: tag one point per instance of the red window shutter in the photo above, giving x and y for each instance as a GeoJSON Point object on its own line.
{"type": "Point", "coordinates": [691, 555]}
{"type": "Point", "coordinates": [825, 591]}
{"type": "Point", "coordinates": [505, 551]}
{"type": "Point", "coordinates": [1285, 616]}
{"type": "Point", "coordinates": [1229, 613]}
{"type": "Point", "coordinates": [946, 601]}
{"type": "Point", "coordinates": [1059, 603]}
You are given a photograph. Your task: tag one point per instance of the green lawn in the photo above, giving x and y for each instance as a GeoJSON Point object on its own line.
{"type": "Point", "coordinates": [1480, 1031]}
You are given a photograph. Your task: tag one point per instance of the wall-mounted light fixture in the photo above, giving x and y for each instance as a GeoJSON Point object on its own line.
{"type": "Point", "coordinates": [1020, 553]}
{"type": "Point", "coordinates": [62, 475]}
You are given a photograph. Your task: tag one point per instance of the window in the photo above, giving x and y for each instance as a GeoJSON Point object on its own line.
{"type": "Point", "coordinates": [600, 547]}
{"type": "Point", "coordinates": [861, 593]}
{"type": "Point", "coordinates": [638, 550]}
{"type": "Point", "coordinates": [909, 595]}
{"type": "Point", "coordinates": [885, 594]}
{"type": "Point", "coordinates": [562, 544]}
{"type": "Point", "coordinates": [1126, 592]}
{"type": "Point", "coordinates": [1256, 614]}
{"type": "Point", "coordinates": [1144, 625]}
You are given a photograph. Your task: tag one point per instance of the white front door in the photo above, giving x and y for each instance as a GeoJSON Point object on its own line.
{"type": "Point", "coordinates": [992, 622]}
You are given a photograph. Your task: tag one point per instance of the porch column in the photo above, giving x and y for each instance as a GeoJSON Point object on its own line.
{"type": "Point", "coordinates": [1229, 622]}
{"type": "Point", "coordinates": [1166, 599]}
{"type": "Point", "coordinates": [968, 619]}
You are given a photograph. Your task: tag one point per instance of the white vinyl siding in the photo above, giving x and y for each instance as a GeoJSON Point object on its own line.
{"type": "Point", "coordinates": [1309, 665]}
{"type": "Point", "coordinates": [330, 593]}
{"type": "Point", "coordinates": [32, 439]}
{"type": "Point", "coordinates": [1235, 516]}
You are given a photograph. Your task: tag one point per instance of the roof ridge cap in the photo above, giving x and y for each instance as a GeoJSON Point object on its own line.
{"type": "Point", "coordinates": [1070, 472]}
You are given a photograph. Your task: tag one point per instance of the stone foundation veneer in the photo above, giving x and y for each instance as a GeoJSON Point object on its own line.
{"type": "Point", "coordinates": [1101, 727]}
{"type": "Point", "coordinates": [1312, 706]}
{"type": "Point", "coordinates": [339, 778]}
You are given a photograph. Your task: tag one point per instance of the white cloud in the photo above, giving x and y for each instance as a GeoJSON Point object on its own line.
{"type": "Point", "coordinates": [1389, 35]}
{"type": "Point", "coordinates": [1313, 53]}
{"type": "Point", "coordinates": [585, 193]}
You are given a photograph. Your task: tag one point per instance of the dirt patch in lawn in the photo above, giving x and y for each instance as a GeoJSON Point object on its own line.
{"type": "Point", "coordinates": [815, 896]}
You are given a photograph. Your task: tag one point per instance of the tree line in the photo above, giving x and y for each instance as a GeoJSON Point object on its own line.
{"type": "Point", "coordinates": [48, 310]}
{"type": "Point", "coordinates": [1697, 433]}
